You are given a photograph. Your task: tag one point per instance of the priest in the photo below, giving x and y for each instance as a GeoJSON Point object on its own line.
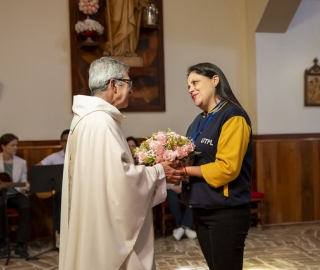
{"type": "Point", "coordinates": [107, 200]}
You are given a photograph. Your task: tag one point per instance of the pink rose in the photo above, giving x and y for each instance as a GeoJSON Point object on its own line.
{"type": "Point", "coordinates": [153, 144]}
{"type": "Point", "coordinates": [141, 156]}
{"type": "Point", "coordinates": [160, 150]}
{"type": "Point", "coordinates": [169, 155]}
{"type": "Point", "coordinates": [189, 146]}
{"type": "Point", "coordinates": [161, 138]}
{"type": "Point", "coordinates": [181, 152]}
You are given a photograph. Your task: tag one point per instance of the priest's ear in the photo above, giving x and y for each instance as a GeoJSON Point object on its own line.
{"type": "Point", "coordinates": [113, 85]}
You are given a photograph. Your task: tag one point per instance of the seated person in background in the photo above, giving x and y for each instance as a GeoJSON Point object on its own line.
{"type": "Point", "coordinates": [16, 168]}
{"type": "Point", "coordinates": [183, 221]}
{"type": "Point", "coordinates": [133, 143]}
{"type": "Point", "coordinates": [56, 159]}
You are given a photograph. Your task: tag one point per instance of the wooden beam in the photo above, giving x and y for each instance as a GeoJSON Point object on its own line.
{"type": "Point", "coordinates": [277, 16]}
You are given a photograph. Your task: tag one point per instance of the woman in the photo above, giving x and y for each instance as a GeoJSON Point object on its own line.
{"type": "Point", "coordinates": [16, 168]}
{"type": "Point", "coordinates": [219, 187]}
{"type": "Point", "coordinates": [133, 144]}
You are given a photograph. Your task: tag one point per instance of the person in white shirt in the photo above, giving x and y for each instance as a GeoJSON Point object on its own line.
{"type": "Point", "coordinates": [57, 157]}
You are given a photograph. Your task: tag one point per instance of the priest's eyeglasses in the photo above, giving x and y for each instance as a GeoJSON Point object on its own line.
{"type": "Point", "coordinates": [128, 81]}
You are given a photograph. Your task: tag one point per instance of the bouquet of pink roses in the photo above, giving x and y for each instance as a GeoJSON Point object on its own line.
{"type": "Point", "coordinates": [165, 146]}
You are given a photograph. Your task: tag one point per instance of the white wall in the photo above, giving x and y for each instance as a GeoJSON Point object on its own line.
{"type": "Point", "coordinates": [35, 79]}
{"type": "Point", "coordinates": [195, 31]}
{"type": "Point", "coordinates": [35, 101]}
{"type": "Point", "coordinates": [281, 62]}
{"type": "Point", "coordinates": [35, 76]}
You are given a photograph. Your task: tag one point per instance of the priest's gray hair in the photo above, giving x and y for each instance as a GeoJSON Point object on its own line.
{"type": "Point", "coordinates": [102, 70]}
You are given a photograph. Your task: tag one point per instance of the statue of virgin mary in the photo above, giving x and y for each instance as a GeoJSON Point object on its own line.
{"type": "Point", "coordinates": [123, 19]}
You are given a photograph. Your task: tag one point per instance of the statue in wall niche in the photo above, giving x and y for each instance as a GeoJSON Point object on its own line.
{"type": "Point", "coordinates": [123, 19]}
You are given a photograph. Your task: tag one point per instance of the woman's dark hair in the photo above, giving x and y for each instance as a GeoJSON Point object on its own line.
{"type": "Point", "coordinates": [6, 138]}
{"type": "Point", "coordinates": [130, 138]}
{"type": "Point", "coordinates": [223, 88]}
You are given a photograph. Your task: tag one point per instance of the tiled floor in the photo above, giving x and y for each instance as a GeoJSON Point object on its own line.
{"type": "Point", "coordinates": [282, 247]}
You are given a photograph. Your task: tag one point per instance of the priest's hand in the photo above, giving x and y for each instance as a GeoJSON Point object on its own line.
{"type": "Point", "coordinates": [173, 174]}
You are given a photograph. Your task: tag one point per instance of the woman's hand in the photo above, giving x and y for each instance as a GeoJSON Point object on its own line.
{"type": "Point", "coordinates": [173, 174]}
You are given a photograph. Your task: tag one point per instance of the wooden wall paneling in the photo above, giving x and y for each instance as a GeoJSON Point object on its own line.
{"type": "Point", "coordinates": [266, 171]}
{"type": "Point", "coordinates": [254, 169]}
{"type": "Point", "coordinates": [34, 154]}
{"type": "Point", "coordinates": [49, 143]}
{"type": "Point", "coordinates": [289, 186]}
{"type": "Point", "coordinates": [287, 171]}
{"type": "Point", "coordinates": [307, 180]}
{"type": "Point", "coordinates": [316, 178]}
{"type": "Point", "coordinates": [273, 191]}
{"type": "Point", "coordinates": [264, 181]}
{"type": "Point", "coordinates": [286, 168]}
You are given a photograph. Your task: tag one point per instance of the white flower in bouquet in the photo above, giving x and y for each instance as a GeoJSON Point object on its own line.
{"type": "Point", "coordinates": [89, 25]}
{"type": "Point", "coordinates": [165, 146]}
{"type": "Point", "coordinates": [89, 7]}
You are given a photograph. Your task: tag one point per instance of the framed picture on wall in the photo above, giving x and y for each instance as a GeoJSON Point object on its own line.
{"type": "Point", "coordinates": [312, 85]}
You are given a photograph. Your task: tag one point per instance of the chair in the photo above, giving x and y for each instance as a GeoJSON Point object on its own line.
{"type": "Point", "coordinates": [257, 207]}
{"type": "Point", "coordinates": [11, 226]}
{"type": "Point", "coordinates": [166, 215]}
{"type": "Point", "coordinates": [12, 215]}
